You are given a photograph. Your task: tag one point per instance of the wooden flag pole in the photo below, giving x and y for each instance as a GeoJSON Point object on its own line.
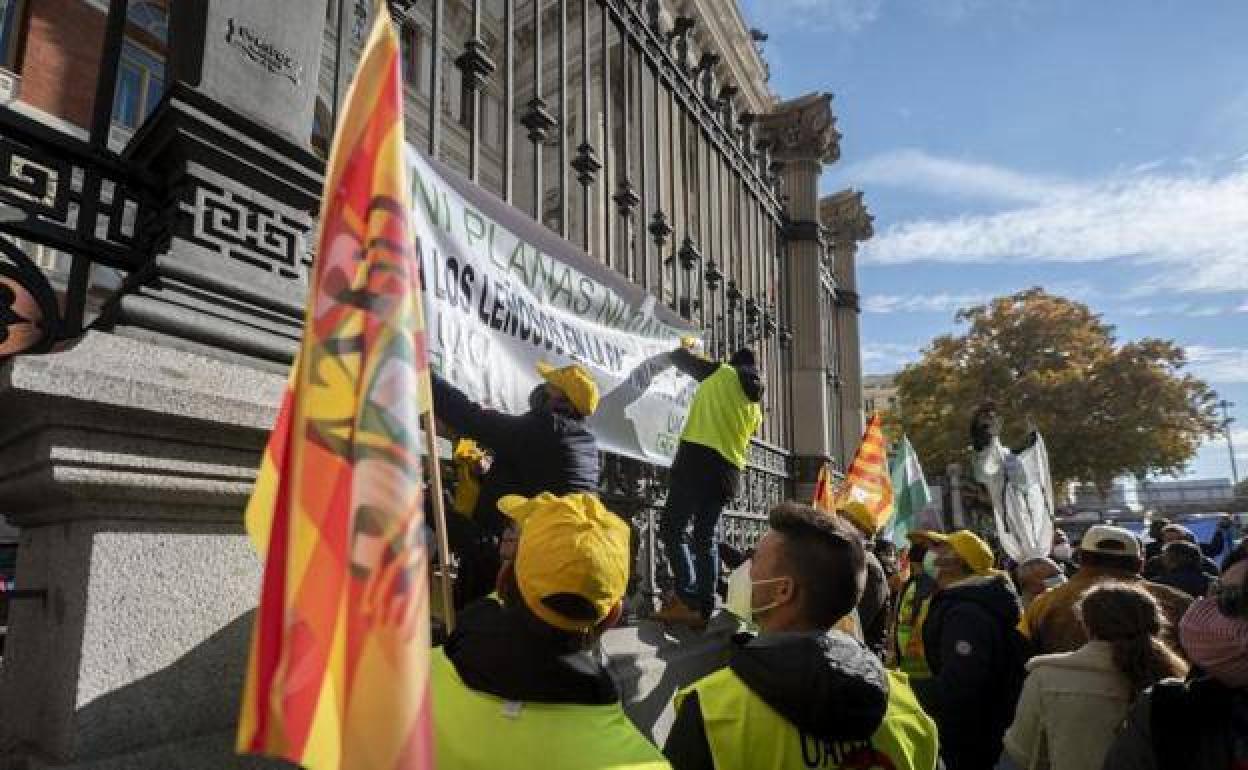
{"type": "Point", "coordinates": [439, 515]}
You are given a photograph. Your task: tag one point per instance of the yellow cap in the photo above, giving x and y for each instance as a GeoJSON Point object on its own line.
{"type": "Point", "coordinates": [568, 545]}
{"type": "Point", "coordinates": [576, 384]}
{"type": "Point", "coordinates": [969, 548]}
{"type": "Point", "coordinates": [858, 515]}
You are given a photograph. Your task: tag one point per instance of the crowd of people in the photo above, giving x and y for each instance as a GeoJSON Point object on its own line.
{"type": "Point", "coordinates": [1114, 653]}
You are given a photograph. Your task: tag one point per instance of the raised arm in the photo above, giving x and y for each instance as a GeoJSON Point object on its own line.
{"type": "Point", "coordinates": [693, 365]}
{"type": "Point", "coordinates": [502, 433]}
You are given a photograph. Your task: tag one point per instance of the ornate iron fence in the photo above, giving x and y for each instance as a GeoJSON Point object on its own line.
{"type": "Point", "coordinates": [611, 121]}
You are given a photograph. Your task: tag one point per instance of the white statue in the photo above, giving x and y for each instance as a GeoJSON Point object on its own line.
{"type": "Point", "coordinates": [1018, 483]}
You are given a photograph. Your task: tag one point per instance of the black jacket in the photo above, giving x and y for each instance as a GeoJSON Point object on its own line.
{"type": "Point", "coordinates": [1189, 580]}
{"type": "Point", "coordinates": [1196, 725]}
{"type": "Point", "coordinates": [503, 652]}
{"type": "Point", "coordinates": [535, 452]}
{"type": "Point", "coordinates": [875, 609]}
{"type": "Point", "coordinates": [825, 684]}
{"type": "Point", "coordinates": [700, 465]}
{"type": "Point", "coordinates": [976, 655]}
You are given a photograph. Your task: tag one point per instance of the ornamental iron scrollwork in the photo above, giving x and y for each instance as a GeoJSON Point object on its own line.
{"type": "Point", "coordinates": [30, 319]}
{"type": "Point", "coordinates": [70, 200]}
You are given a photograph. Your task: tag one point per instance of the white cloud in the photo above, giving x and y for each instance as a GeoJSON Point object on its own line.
{"type": "Point", "coordinates": [1219, 364]}
{"type": "Point", "coordinates": [1185, 309]}
{"type": "Point", "coordinates": [920, 303]}
{"type": "Point", "coordinates": [1187, 232]}
{"type": "Point", "coordinates": [915, 169]}
{"type": "Point", "coordinates": [887, 357]}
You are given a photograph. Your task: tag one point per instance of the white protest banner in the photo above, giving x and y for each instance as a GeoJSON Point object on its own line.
{"type": "Point", "coordinates": [502, 292]}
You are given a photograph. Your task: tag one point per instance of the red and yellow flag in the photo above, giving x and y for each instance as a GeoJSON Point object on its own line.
{"type": "Point", "coordinates": [867, 491]}
{"type": "Point", "coordinates": [825, 490]}
{"type": "Point", "coordinates": [338, 673]}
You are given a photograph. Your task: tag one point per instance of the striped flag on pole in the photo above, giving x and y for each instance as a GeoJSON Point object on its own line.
{"type": "Point", "coordinates": [338, 675]}
{"type": "Point", "coordinates": [867, 483]}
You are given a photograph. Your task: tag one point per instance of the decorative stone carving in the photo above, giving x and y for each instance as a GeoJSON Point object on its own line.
{"type": "Point", "coordinates": [846, 217]}
{"type": "Point", "coordinates": [803, 129]}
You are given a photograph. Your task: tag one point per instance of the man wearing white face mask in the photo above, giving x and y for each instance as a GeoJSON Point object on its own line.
{"type": "Point", "coordinates": [801, 694]}
{"type": "Point", "coordinates": [1064, 553]}
{"type": "Point", "coordinates": [1035, 576]}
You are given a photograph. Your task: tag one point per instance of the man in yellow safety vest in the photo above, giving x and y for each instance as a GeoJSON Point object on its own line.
{"type": "Point", "coordinates": [518, 684]}
{"type": "Point", "coordinates": [714, 447]}
{"type": "Point", "coordinates": [801, 695]}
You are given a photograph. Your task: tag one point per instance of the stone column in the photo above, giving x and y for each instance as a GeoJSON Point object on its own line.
{"type": "Point", "coordinates": [803, 137]}
{"type": "Point", "coordinates": [848, 221]}
{"type": "Point", "coordinates": [126, 459]}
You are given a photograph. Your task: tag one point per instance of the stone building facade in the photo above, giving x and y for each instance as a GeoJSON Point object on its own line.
{"type": "Point", "coordinates": [156, 256]}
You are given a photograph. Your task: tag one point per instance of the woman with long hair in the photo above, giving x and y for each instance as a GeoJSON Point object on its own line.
{"type": "Point", "coordinates": [1073, 702]}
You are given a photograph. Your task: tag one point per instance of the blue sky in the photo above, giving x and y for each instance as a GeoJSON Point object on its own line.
{"type": "Point", "coordinates": [1098, 149]}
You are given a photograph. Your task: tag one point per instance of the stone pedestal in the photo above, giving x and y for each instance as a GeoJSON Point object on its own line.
{"type": "Point", "coordinates": [803, 138]}
{"type": "Point", "coordinates": [126, 465]}
{"type": "Point", "coordinates": [227, 274]}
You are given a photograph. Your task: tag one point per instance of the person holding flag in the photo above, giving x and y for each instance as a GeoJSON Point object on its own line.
{"type": "Point", "coordinates": [864, 500]}
{"type": "Point", "coordinates": [338, 675]}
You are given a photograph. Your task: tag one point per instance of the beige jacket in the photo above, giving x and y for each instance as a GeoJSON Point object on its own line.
{"type": "Point", "coordinates": [1071, 706]}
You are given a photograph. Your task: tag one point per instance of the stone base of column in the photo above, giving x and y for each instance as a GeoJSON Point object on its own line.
{"type": "Point", "coordinates": [126, 465]}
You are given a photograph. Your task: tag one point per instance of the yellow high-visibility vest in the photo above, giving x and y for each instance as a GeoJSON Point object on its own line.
{"type": "Point", "coordinates": [476, 730]}
{"type": "Point", "coordinates": [912, 658]}
{"type": "Point", "coordinates": [722, 416]}
{"type": "Point", "coordinates": [745, 733]}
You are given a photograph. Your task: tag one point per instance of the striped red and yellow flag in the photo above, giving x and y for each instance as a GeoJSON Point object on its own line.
{"type": "Point", "coordinates": [338, 672]}
{"type": "Point", "coordinates": [825, 490]}
{"type": "Point", "coordinates": [868, 483]}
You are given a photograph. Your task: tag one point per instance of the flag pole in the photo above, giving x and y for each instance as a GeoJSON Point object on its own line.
{"type": "Point", "coordinates": [431, 448]}
{"type": "Point", "coordinates": [439, 516]}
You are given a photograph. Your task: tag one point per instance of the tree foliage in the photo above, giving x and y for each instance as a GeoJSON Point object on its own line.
{"type": "Point", "coordinates": [1105, 409]}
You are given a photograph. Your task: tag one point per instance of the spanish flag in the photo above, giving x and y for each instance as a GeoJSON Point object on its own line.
{"type": "Point", "coordinates": [867, 491]}
{"type": "Point", "coordinates": [338, 672]}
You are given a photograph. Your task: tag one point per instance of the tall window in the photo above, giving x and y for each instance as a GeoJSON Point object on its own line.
{"type": "Point", "coordinates": [150, 17]}
{"type": "Point", "coordinates": [140, 83]}
{"type": "Point", "coordinates": [10, 32]}
{"type": "Point", "coordinates": [141, 71]}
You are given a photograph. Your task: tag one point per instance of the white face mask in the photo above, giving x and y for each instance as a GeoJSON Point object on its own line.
{"type": "Point", "coordinates": [740, 598]}
{"type": "Point", "coordinates": [1062, 552]}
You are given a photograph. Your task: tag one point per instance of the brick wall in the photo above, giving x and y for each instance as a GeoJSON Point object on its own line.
{"type": "Point", "coordinates": [61, 58]}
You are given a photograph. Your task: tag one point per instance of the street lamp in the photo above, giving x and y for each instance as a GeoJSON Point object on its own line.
{"type": "Point", "coordinates": [1225, 406]}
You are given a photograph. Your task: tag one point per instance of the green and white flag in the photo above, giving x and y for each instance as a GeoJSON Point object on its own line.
{"type": "Point", "coordinates": [910, 495]}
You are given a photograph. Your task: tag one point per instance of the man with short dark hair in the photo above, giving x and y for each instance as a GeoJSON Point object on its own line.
{"type": "Point", "coordinates": [1105, 554]}
{"type": "Point", "coordinates": [802, 694]}
{"type": "Point", "coordinates": [974, 651]}
{"type": "Point", "coordinates": [1176, 533]}
{"type": "Point", "coordinates": [1182, 568]}
{"type": "Point", "coordinates": [1156, 541]}
{"type": "Point", "coordinates": [714, 448]}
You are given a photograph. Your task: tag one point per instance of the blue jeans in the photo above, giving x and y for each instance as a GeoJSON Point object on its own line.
{"type": "Point", "coordinates": [695, 564]}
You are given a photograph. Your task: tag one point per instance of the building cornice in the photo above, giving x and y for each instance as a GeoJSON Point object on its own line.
{"type": "Point", "coordinates": [803, 129]}
{"type": "Point", "coordinates": [846, 216]}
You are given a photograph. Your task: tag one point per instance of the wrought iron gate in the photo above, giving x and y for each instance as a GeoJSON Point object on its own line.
{"type": "Point", "coordinates": [607, 120]}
